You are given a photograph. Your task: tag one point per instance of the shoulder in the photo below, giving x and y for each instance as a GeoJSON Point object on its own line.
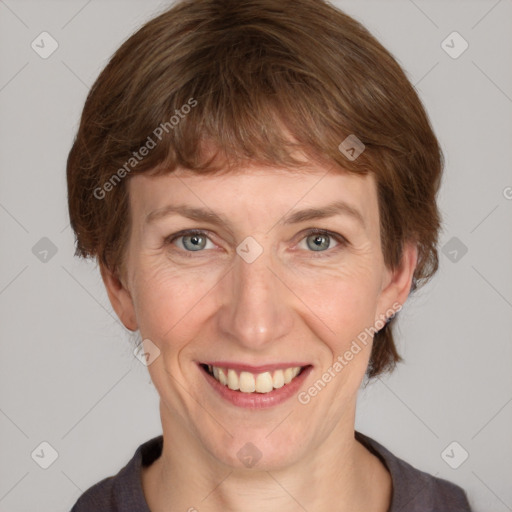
{"type": "Point", "coordinates": [98, 497]}
{"type": "Point", "coordinates": [413, 489]}
{"type": "Point", "coordinates": [122, 492]}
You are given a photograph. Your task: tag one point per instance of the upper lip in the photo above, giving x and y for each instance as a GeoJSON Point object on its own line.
{"type": "Point", "coordinates": [255, 369]}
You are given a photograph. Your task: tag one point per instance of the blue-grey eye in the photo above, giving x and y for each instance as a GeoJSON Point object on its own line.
{"type": "Point", "coordinates": [190, 241]}
{"type": "Point", "coordinates": [318, 242]}
{"type": "Point", "coordinates": [194, 242]}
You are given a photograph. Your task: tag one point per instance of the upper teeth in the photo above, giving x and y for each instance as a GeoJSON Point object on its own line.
{"type": "Point", "coordinates": [248, 382]}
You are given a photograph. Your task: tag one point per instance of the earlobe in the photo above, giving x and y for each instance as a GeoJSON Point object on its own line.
{"type": "Point", "coordinates": [120, 298]}
{"type": "Point", "coordinates": [400, 281]}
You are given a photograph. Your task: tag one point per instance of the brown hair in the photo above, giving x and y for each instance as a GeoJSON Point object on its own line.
{"type": "Point", "coordinates": [256, 80]}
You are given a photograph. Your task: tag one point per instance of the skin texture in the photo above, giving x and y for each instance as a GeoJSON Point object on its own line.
{"type": "Point", "coordinates": [291, 304]}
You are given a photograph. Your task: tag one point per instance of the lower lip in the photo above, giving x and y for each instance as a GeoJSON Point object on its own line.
{"type": "Point", "coordinates": [257, 400]}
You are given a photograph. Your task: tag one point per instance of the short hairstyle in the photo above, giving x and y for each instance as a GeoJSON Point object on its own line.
{"type": "Point", "coordinates": [209, 85]}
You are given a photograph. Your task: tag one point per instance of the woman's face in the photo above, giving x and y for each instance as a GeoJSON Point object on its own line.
{"type": "Point", "coordinates": [257, 292]}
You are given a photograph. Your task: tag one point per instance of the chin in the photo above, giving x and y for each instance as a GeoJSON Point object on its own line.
{"type": "Point", "coordinates": [258, 450]}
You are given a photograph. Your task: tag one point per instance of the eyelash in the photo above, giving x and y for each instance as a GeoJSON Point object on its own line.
{"type": "Point", "coordinates": [342, 241]}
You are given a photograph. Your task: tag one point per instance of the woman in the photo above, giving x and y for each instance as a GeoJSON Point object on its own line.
{"type": "Point", "coordinates": [257, 180]}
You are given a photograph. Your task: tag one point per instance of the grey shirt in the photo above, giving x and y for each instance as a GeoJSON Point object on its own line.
{"type": "Point", "coordinates": [413, 490]}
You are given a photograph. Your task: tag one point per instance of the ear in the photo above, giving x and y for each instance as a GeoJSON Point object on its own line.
{"type": "Point", "coordinates": [397, 283]}
{"type": "Point", "coordinates": [120, 298]}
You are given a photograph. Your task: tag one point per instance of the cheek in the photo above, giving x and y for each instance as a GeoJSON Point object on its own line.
{"type": "Point", "coordinates": [337, 302]}
{"type": "Point", "coordinates": [167, 299]}
{"type": "Point", "coordinates": [344, 300]}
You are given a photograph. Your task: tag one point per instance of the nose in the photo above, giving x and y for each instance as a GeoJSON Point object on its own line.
{"type": "Point", "coordinates": [257, 307]}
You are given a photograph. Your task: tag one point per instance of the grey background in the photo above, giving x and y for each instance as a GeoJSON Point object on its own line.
{"type": "Point", "coordinates": [68, 375]}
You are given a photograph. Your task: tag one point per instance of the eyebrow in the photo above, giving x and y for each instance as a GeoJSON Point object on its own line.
{"type": "Point", "coordinates": [206, 215]}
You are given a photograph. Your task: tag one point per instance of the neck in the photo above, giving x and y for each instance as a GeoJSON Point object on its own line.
{"type": "Point", "coordinates": [341, 470]}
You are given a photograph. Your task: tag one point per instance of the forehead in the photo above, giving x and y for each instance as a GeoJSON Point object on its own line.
{"type": "Point", "coordinates": [253, 192]}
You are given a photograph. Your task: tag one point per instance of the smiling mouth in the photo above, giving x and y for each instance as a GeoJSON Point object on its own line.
{"type": "Point", "coordinates": [248, 382]}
